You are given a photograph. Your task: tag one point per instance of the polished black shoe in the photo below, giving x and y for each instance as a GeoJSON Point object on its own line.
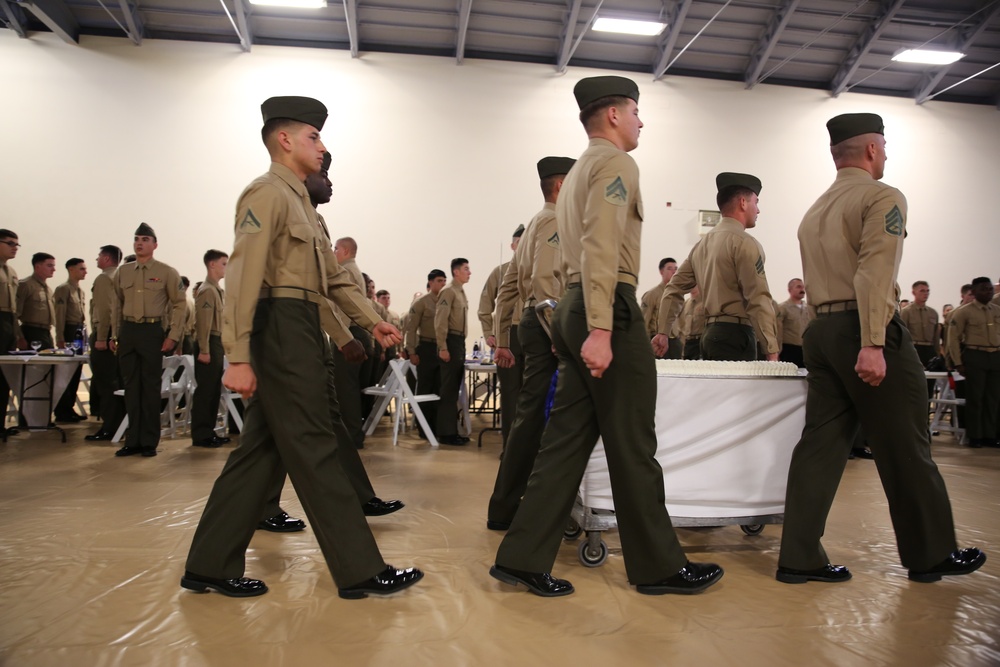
{"type": "Point", "coordinates": [128, 451]}
{"type": "Point", "coordinates": [214, 441]}
{"type": "Point", "coordinates": [453, 440]}
{"type": "Point", "coordinates": [830, 574]}
{"type": "Point", "coordinates": [539, 583]}
{"type": "Point", "coordinates": [71, 418]}
{"type": "Point", "coordinates": [497, 525]}
{"type": "Point", "coordinates": [975, 443]}
{"type": "Point", "coordinates": [388, 581]}
{"type": "Point", "coordinates": [963, 561]}
{"type": "Point", "coordinates": [692, 578]}
{"type": "Point", "coordinates": [862, 453]}
{"type": "Point", "coordinates": [234, 588]}
{"type": "Point", "coordinates": [282, 523]}
{"type": "Point", "coordinates": [148, 452]}
{"type": "Point", "coordinates": [99, 436]}
{"type": "Point", "coordinates": [378, 507]}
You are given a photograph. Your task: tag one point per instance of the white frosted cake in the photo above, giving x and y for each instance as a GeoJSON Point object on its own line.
{"type": "Point", "coordinates": [692, 367]}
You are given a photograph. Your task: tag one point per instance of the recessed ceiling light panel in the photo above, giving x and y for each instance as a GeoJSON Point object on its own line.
{"type": "Point", "coordinates": [927, 57]}
{"type": "Point", "coordinates": [629, 26]}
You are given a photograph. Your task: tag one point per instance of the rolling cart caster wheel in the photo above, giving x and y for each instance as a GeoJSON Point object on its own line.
{"type": "Point", "coordinates": [593, 556]}
{"type": "Point", "coordinates": [572, 531]}
{"type": "Point", "coordinates": [753, 529]}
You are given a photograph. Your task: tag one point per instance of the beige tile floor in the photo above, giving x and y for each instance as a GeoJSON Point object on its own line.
{"type": "Point", "coordinates": [92, 548]}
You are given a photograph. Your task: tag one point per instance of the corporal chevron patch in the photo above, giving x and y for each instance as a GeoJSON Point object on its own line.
{"type": "Point", "coordinates": [250, 224]}
{"type": "Point", "coordinates": [616, 193]}
{"type": "Point", "coordinates": [759, 265]}
{"type": "Point", "coordinates": [894, 222]}
{"type": "Point", "coordinates": [553, 241]}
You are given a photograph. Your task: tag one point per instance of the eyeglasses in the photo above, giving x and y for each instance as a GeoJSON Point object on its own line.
{"type": "Point", "coordinates": [12, 244]}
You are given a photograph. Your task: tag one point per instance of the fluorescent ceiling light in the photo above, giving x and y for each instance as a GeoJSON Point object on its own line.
{"type": "Point", "coordinates": [302, 4]}
{"type": "Point", "coordinates": [927, 57]}
{"type": "Point", "coordinates": [629, 26]}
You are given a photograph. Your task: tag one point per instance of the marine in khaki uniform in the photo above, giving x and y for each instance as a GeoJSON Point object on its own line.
{"type": "Point", "coordinates": [70, 305]}
{"type": "Point", "coordinates": [208, 351]}
{"type": "Point", "coordinates": [421, 343]}
{"type": "Point", "coordinates": [509, 378]}
{"type": "Point", "coordinates": [793, 317]}
{"type": "Point", "coordinates": [450, 322]}
{"type": "Point", "coordinates": [190, 319]}
{"type": "Point", "coordinates": [35, 306]}
{"type": "Point", "coordinates": [352, 378]}
{"type": "Point", "coordinates": [384, 299]}
{"type": "Point", "coordinates": [281, 271]}
{"type": "Point", "coordinates": [974, 349]}
{"type": "Point", "coordinates": [650, 304]}
{"type": "Point", "coordinates": [728, 265]}
{"type": "Point", "coordinates": [863, 370]}
{"type": "Point", "coordinates": [103, 361]}
{"type": "Point", "coordinates": [692, 321]}
{"type": "Point", "coordinates": [530, 279]}
{"type": "Point", "coordinates": [607, 376]}
{"type": "Point", "coordinates": [922, 322]}
{"type": "Point", "coordinates": [10, 328]}
{"type": "Point", "coordinates": [149, 302]}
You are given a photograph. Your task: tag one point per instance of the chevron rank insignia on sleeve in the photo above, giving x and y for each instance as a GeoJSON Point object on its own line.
{"type": "Point", "coordinates": [760, 266]}
{"type": "Point", "coordinates": [616, 193]}
{"type": "Point", "coordinates": [250, 224]}
{"type": "Point", "coordinates": [894, 222]}
{"type": "Point", "coordinates": [553, 241]}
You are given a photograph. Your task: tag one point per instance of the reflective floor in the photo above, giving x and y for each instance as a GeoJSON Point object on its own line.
{"type": "Point", "coordinates": [92, 548]}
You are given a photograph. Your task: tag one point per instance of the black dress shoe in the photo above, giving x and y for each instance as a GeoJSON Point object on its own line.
{"type": "Point", "coordinates": [692, 578]}
{"type": "Point", "coordinates": [539, 583]}
{"type": "Point", "coordinates": [214, 441]}
{"type": "Point", "coordinates": [959, 562]}
{"type": "Point", "coordinates": [99, 436]}
{"type": "Point", "coordinates": [975, 443]}
{"type": "Point", "coordinates": [497, 525]}
{"type": "Point", "coordinates": [388, 581]}
{"type": "Point", "coordinates": [128, 451]}
{"type": "Point", "coordinates": [149, 452]}
{"type": "Point", "coordinates": [862, 453]}
{"type": "Point", "coordinates": [71, 418]}
{"type": "Point", "coordinates": [378, 507]}
{"type": "Point", "coordinates": [234, 588]}
{"type": "Point", "coordinates": [282, 523]}
{"type": "Point", "coordinates": [830, 574]}
{"type": "Point", "coordinates": [453, 440]}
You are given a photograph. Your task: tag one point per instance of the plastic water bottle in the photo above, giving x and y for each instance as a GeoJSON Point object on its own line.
{"type": "Point", "coordinates": [78, 341]}
{"type": "Point", "coordinates": [475, 350]}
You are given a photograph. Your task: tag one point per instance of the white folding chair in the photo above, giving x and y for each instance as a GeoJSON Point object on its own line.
{"type": "Point", "coordinates": [171, 390]}
{"type": "Point", "coordinates": [944, 403]}
{"type": "Point", "coordinates": [394, 389]}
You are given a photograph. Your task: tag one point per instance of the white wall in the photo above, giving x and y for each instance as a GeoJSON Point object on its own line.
{"type": "Point", "coordinates": [434, 160]}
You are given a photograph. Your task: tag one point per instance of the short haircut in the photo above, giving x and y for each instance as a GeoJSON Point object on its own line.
{"type": "Point", "coordinates": [966, 288]}
{"type": "Point", "coordinates": [549, 185]}
{"type": "Point", "coordinates": [129, 258]}
{"type": "Point", "coordinates": [367, 278]}
{"type": "Point", "coordinates": [435, 273]}
{"type": "Point", "coordinates": [113, 252]}
{"type": "Point", "coordinates": [792, 281]}
{"type": "Point", "coordinates": [185, 282]}
{"type": "Point", "coordinates": [381, 292]}
{"type": "Point", "coordinates": [40, 257]}
{"type": "Point", "coordinates": [850, 150]}
{"type": "Point", "coordinates": [590, 112]}
{"type": "Point", "coordinates": [73, 262]}
{"type": "Point", "coordinates": [456, 263]}
{"type": "Point", "coordinates": [980, 280]}
{"type": "Point", "coordinates": [7, 234]}
{"type": "Point", "coordinates": [665, 261]}
{"type": "Point", "coordinates": [274, 125]}
{"type": "Point", "coordinates": [919, 283]}
{"type": "Point", "coordinates": [731, 193]}
{"type": "Point", "coordinates": [349, 244]}
{"type": "Point", "coordinates": [212, 255]}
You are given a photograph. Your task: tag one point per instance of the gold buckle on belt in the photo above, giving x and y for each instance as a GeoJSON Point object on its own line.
{"type": "Point", "coordinates": [836, 307]}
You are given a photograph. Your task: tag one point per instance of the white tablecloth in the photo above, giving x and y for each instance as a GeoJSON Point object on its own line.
{"type": "Point", "coordinates": [39, 373]}
{"type": "Point", "coordinates": [724, 444]}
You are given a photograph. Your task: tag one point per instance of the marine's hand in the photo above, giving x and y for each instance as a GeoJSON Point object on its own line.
{"type": "Point", "coordinates": [415, 359]}
{"type": "Point", "coordinates": [168, 345]}
{"type": "Point", "coordinates": [660, 343]}
{"type": "Point", "coordinates": [205, 358]}
{"type": "Point", "coordinates": [239, 377]}
{"type": "Point", "coordinates": [596, 351]}
{"type": "Point", "coordinates": [503, 357]}
{"type": "Point", "coordinates": [871, 365]}
{"type": "Point", "coordinates": [772, 357]}
{"type": "Point", "coordinates": [386, 334]}
{"type": "Point", "coordinates": [100, 344]}
{"type": "Point", "coordinates": [444, 355]}
{"type": "Point", "coordinates": [491, 341]}
{"type": "Point", "coordinates": [354, 352]}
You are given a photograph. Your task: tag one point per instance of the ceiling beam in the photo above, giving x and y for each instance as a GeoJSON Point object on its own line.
{"type": "Point", "coordinates": [56, 16]}
{"type": "Point", "coordinates": [674, 22]}
{"type": "Point", "coordinates": [868, 36]}
{"type": "Point", "coordinates": [351, 15]}
{"type": "Point", "coordinates": [133, 22]}
{"type": "Point", "coordinates": [569, 31]}
{"type": "Point", "coordinates": [243, 21]}
{"type": "Point", "coordinates": [464, 12]}
{"type": "Point", "coordinates": [965, 38]}
{"type": "Point", "coordinates": [14, 18]}
{"type": "Point", "coordinates": [768, 40]}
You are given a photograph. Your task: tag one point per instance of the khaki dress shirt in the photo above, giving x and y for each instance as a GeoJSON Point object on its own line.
{"type": "Point", "coordinates": [728, 266]}
{"type": "Point", "coordinates": [34, 303]}
{"type": "Point", "coordinates": [852, 243]}
{"type": "Point", "coordinates": [70, 308]}
{"type": "Point", "coordinates": [692, 318]}
{"type": "Point", "coordinates": [793, 318]}
{"type": "Point", "coordinates": [976, 324]}
{"type": "Point", "coordinates": [420, 321]}
{"type": "Point", "coordinates": [279, 243]}
{"type": "Point", "coordinates": [149, 290]}
{"type": "Point", "coordinates": [208, 306]}
{"type": "Point", "coordinates": [600, 200]}
{"type": "Point", "coordinates": [450, 314]}
{"type": "Point", "coordinates": [102, 303]}
{"type": "Point", "coordinates": [922, 323]}
{"type": "Point", "coordinates": [8, 295]}
{"type": "Point", "coordinates": [488, 298]}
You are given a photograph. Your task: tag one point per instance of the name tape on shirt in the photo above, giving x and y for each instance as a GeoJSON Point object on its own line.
{"type": "Point", "coordinates": [616, 193]}
{"type": "Point", "coordinates": [894, 222]}
{"type": "Point", "coordinates": [250, 224]}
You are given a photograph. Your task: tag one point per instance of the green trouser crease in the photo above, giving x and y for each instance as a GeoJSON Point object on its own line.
{"type": "Point", "coordinates": [728, 341]}
{"type": "Point", "coordinates": [452, 375]}
{"type": "Point", "coordinates": [141, 362]}
{"type": "Point", "coordinates": [208, 393]}
{"type": "Point", "coordinates": [510, 386]}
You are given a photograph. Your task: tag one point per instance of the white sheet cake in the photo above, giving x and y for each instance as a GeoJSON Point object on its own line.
{"type": "Point", "coordinates": [725, 368]}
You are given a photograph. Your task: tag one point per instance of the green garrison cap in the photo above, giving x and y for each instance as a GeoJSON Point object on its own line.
{"type": "Point", "coordinates": [594, 88]}
{"type": "Point", "coordinates": [145, 230]}
{"type": "Point", "coordinates": [554, 166]}
{"type": "Point", "coordinates": [303, 109]}
{"type": "Point", "coordinates": [327, 161]}
{"type": "Point", "coordinates": [728, 179]}
{"type": "Point", "coordinates": [518, 231]}
{"type": "Point", "coordinates": [848, 125]}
